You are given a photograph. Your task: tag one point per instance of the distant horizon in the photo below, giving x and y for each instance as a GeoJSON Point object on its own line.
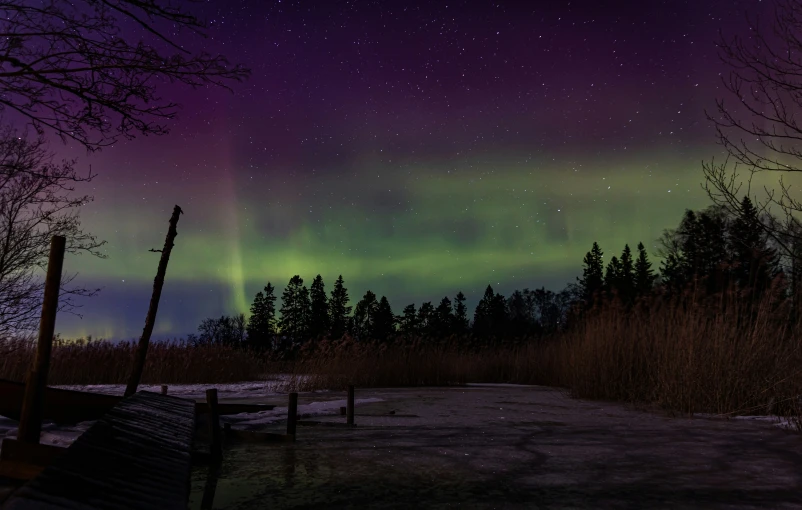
{"type": "Point", "coordinates": [416, 151]}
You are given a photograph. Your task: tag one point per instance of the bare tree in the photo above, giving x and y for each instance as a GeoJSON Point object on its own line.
{"type": "Point", "coordinates": [36, 203]}
{"type": "Point", "coordinates": [759, 129]}
{"type": "Point", "coordinates": [69, 65]}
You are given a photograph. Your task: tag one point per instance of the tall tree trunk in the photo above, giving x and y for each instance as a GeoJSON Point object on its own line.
{"type": "Point", "coordinates": [150, 320]}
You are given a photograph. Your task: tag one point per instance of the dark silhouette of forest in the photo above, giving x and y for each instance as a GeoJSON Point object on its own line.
{"type": "Point", "coordinates": [709, 250]}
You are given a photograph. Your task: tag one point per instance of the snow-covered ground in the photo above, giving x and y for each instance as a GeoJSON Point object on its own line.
{"type": "Point", "coordinates": [326, 403]}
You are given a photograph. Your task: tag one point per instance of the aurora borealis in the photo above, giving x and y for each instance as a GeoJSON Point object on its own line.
{"type": "Point", "coordinates": [416, 148]}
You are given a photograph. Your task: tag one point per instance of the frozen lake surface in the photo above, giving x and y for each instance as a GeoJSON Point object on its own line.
{"type": "Point", "coordinates": [504, 446]}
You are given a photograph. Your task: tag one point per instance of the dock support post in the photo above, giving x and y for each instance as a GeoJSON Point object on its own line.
{"type": "Point", "coordinates": [350, 405]}
{"type": "Point", "coordinates": [292, 414]}
{"type": "Point", "coordinates": [214, 425]}
{"type": "Point", "coordinates": [30, 423]}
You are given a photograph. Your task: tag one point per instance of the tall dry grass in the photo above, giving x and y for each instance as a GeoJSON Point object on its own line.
{"type": "Point", "coordinates": [100, 362]}
{"type": "Point", "coordinates": [727, 354]}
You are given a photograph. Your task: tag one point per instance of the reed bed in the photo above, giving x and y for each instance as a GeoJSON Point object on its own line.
{"type": "Point", "coordinates": [729, 354]}
{"type": "Point", "coordinates": [101, 362]}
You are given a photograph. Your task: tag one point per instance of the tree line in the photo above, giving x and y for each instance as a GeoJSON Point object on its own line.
{"type": "Point", "coordinates": [709, 248]}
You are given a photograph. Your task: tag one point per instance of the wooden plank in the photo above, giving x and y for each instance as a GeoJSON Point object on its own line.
{"type": "Point", "coordinates": [30, 453]}
{"type": "Point", "coordinates": [19, 470]}
{"type": "Point", "coordinates": [122, 461]}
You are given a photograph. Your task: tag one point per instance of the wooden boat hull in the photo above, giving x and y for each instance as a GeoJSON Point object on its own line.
{"type": "Point", "coordinates": [70, 406]}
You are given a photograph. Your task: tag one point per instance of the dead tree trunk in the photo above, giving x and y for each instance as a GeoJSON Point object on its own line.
{"type": "Point", "coordinates": [150, 320]}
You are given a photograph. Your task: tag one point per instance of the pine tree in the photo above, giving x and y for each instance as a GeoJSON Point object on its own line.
{"type": "Point", "coordinates": [425, 318]}
{"type": "Point", "coordinates": [339, 309]}
{"type": "Point", "coordinates": [626, 277]}
{"type": "Point", "coordinates": [443, 320]}
{"type": "Point", "coordinates": [499, 316]}
{"type": "Point", "coordinates": [748, 246]}
{"type": "Point", "coordinates": [384, 322]}
{"type": "Point", "coordinates": [319, 320]}
{"type": "Point", "coordinates": [258, 333]}
{"type": "Point", "coordinates": [482, 321]}
{"type": "Point", "coordinates": [612, 275]}
{"type": "Point", "coordinates": [592, 280]}
{"type": "Point", "coordinates": [519, 318]}
{"type": "Point", "coordinates": [365, 316]}
{"type": "Point", "coordinates": [409, 319]}
{"type": "Point", "coordinates": [644, 276]}
{"type": "Point", "coordinates": [294, 313]}
{"type": "Point", "coordinates": [460, 314]}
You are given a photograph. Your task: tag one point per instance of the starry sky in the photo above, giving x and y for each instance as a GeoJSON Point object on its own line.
{"type": "Point", "coordinates": [416, 148]}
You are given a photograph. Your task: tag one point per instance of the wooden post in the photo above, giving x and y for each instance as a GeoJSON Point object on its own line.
{"type": "Point", "coordinates": [164, 389]}
{"type": "Point", "coordinates": [292, 414]}
{"type": "Point", "coordinates": [30, 423]}
{"type": "Point", "coordinates": [214, 425]}
{"type": "Point", "coordinates": [350, 405]}
{"type": "Point", "coordinates": [210, 487]}
{"type": "Point", "coordinates": [150, 320]}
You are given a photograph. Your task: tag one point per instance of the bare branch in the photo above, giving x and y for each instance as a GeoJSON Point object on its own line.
{"type": "Point", "coordinates": [67, 67]}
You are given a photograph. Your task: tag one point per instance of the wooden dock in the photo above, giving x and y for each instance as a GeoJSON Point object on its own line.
{"type": "Point", "coordinates": [137, 456]}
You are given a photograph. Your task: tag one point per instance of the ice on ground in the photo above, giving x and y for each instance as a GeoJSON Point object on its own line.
{"type": "Point", "coordinates": [511, 447]}
{"type": "Point", "coordinates": [276, 385]}
{"type": "Point", "coordinates": [52, 434]}
{"type": "Point", "coordinates": [313, 409]}
{"type": "Point", "coordinates": [64, 435]}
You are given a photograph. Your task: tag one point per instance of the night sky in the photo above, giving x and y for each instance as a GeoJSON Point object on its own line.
{"type": "Point", "coordinates": [416, 148]}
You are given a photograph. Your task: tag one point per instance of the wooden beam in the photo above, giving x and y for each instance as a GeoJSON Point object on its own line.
{"type": "Point", "coordinates": [30, 423]}
{"type": "Point", "coordinates": [292, 414]}
{"type": "Point", "coordinates": [214, 425]}
{"type": "Point", "coordinates": [19, 470]}
{"type": "Point", "coordinates": [30, 453]}
{"type": "Point", "coordinates": [350, 405]}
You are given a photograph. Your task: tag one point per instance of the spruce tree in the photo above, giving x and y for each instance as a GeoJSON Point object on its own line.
{"type": "Point", "coordinates": [644, 276]}
{"type": "Point", "coordinates": [748, 245]}
{"type": "Point", "coordinates": [365, 316]}
{"type": "Point", "coordinates": [409, 319]}
{"type": "Point", "coordinates": [592, 280]}
{"type": "Point", "coordinates": [612, 275]}
{"type": "Point", "coordinates": [294, 300]}
{"type": "Point", "coordinates": [426, 318]}
{"type": "Point", "coordinates": [626, 277]}
{"type": "Point", "coordinates": [460, 314]}
{"type": "Point", "coordinates": [443, 318]}
{"type": "Point", "coordinates": [519, 318]}
{"type": "Point", "coordinates": [319, 320]}
{"type": "Point", "coordinates": [482, 321]}
{"type": "Point", "coordinates": [339, 309]}
{"type": "Point", "coordinates": [258, 333]}
{"type": "Point", "coordinates": [384, 322]}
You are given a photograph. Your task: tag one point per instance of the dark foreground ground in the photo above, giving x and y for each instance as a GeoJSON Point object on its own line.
{"type": "Point", "coordinates": [511, 447]}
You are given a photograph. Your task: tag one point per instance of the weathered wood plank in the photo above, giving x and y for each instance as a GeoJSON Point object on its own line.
{"type": "Point", "coordinates": [138, 456]}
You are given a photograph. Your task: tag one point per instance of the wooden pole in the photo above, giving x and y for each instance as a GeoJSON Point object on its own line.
{"type": "Point", "coordinates": [30, 423]}
{"type": "Point", "coordinates": [164, 389]}
{"type": "Point", "coordinates": [214, 425]}
{"type": "Point", "coordinates": [210, 487]}
{"type": "Point", "coordinates": [350, 406]}
{"type": "Point", "coordinates": [292, 414]}
{"type": "Point", "coordinates": [150, 320]}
